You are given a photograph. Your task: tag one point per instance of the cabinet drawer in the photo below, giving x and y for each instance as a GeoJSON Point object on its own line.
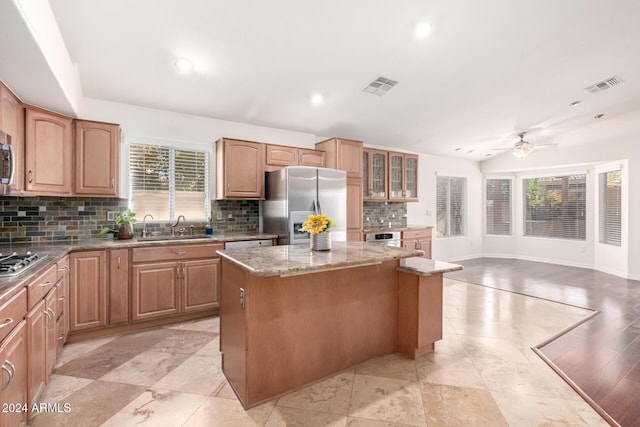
{"type": "Point", "coordinates": [175, 253]}
{"type": "Point", "coordinates": [424, 233]}
{"type": "Point", "coordinates": [38, 288]}
{"type": "Point", "coordinates": [12, 312]}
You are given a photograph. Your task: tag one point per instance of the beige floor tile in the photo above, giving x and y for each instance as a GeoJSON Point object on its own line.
{"type": "Point", "coordinates": [387, 399]}
{"type": "Point", "coordinates": [392, 366]}
{"type": "Point", "coordinates": [221, 412]}
{"type": "Point", "coordinates": [460, 406]}
{"type": "Point", "coordinates": [156, 407]}
{"type": "Point", "coordinates": [146, 368]}
{"type": "Point", "coordinates": [208, 324]}
{"type": "Point", "coordinates": [74, 350]}
{"type": "Point", "coordinates": [142, 340]}
{"type": "Point", "coordinates": [197, 374]}
{"type": "Point", "coordinates": [91, 405]}
{"type": "Point", "coordinates": [330, 395]}
{"type": "Point", "coordinates": [212, 348]}
{"type": "Point", "coordinates": [283, 417]}
{"type": "Point", "coordinates": [61, 386]}
{"type": "Point", "coordinates": [448, 369]}
{"type": "Point", "coordinates": [96, 362]}
{"type": "Point", "coordinates": [183, 341]}
{"type": "Point", "coordinates": [521, 410]}
{"type": "Point", "coordinates": [226, 392]}
{"type": "Point", "coordinates": [363, 422]}
{"type": "Point", "coordinates": [492, 348]}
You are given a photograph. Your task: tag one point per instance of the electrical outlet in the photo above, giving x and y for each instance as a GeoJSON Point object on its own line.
{"type": "Point", "coordinates": [111, 215]}
{"type": "Point", "coordinates": [230, 216]}
{"type": "Point", "coordinates": [219, 215]}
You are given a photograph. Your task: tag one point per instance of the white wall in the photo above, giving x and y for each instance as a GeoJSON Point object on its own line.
{"type": "Point", "coordinates": [616, 139]}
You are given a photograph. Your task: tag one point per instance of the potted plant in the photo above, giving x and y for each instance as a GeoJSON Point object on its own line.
{"type": "Point", "coordinates": [124, 222]}
{"type": "Point", "coordinates": [318, 227]}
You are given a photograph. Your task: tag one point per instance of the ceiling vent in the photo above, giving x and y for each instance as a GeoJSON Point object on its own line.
{"type": "Point", "coordinates": [603, 85]}
{"type": "Point", "coordinates": [380, 86]}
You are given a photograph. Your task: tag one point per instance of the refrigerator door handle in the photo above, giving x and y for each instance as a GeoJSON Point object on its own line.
{"type": "Point", "coordinates": [316, 206]}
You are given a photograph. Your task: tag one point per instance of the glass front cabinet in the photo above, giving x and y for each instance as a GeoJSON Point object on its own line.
{"type": "Point", "coordinates": [374, 178]}
{"type": "Point", "coordinates": [403, 177]}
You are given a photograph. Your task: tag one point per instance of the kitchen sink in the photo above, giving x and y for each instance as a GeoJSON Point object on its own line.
{"type": "Point", "coordinates": [169, 237]}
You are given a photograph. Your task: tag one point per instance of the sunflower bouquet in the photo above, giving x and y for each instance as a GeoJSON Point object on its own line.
{"type": "Point", "coordinates": [316, 224]}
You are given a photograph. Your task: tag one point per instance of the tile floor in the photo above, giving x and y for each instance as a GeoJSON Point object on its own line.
{"type": "Point", "coordinates": [483, 373]}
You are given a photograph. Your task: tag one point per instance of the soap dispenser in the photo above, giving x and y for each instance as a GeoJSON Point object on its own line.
{"type": "Point", "coordinates": [208, 230]}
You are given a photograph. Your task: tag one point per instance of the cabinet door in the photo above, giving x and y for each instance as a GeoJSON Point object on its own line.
{"type": "Point", "coordinates": [12, 123]}
{"type": "Point", "coordinates": [350, 157]}
{"type": "Point", "coordinates": [48, 153]}
{"type": "Point", "coordinates": [367, 191]}
{"type": "Point", "coordinates": [278, 155]}
{"type": "Point", "coordinates": [13, 358]}
{"type": "Point", "coordinates": [241, 174]}
{"type": "Point", "coordinates": [118, 286]}
{"type": "Point", "coordinates": [63, 301]}
{"type": "Point", "coordinates": [354, 208]}
{"type": "Point", "coordinates": [51, 331]}
{"type": "Point", "coordinates": [396, 176]}
{"type": "Point", "coordinates": [36, 351]}
{"type": "Point", "coordinates": [313, 158]}
{"type": "Point", "coordinates": [411, 177]}
{"type": "Point", "coordinates": [377, 175]}
{"type": "Point", "coordinates": [200, 284]}
{"type": "Point", "coordinates": [97, 157]}
{"type": "Point", "coordinates": [88, 290]}
{"type": "Point", "coordinates": [155, 290]}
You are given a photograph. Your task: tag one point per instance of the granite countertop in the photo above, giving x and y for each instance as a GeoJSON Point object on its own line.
{"type": "Point", "coordinates": [387, 229]}
{"type": "Point", "coordinates": [54, 251]}
{"type": "Point", "coordinates": [426, 267]}
{"type": "Point", "coordinates": [298, 259]}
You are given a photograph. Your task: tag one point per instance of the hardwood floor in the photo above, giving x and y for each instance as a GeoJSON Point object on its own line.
{"type": "Point", "coordinates": [600, 356]}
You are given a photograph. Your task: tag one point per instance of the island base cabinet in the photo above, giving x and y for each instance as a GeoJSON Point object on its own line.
{"type": "Point", "coordinates": [328, 321]}
{"type": "Point", "coordinates": [420, 310]}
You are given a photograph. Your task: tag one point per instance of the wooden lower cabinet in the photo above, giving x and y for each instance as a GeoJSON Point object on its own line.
{"type": "Point", "coordinates": [51, 331]}
{"type": "Point", "coordinates": [88, 290]}
{"type": "Point", "coordinates": [418, 239]}
{"type": "Point", "coordinates": [13, 358]}
{"type": "Point", "coordinates": [200, 288]}
{"type": "Point", "coordinates": [37, 352]}
{"type": "Point", "coordinates": [155, 290]}
{"type": "Point", "coordinates": [118, 287]}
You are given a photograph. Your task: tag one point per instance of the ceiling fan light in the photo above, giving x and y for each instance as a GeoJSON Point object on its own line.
{"type": "Point", "coordinates": [522, 149]}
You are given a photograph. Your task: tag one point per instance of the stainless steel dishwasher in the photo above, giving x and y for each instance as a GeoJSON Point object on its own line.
{"type": "Point", "coordinates": [248, 244]}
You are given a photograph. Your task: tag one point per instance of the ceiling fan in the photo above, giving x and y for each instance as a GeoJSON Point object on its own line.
{"type": "Point", "coordinates": [522, 148]}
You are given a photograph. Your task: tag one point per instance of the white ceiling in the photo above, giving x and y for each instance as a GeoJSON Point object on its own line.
{"type": "Point", "coordinates": [488, 70]}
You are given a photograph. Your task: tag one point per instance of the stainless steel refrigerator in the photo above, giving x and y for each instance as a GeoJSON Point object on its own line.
{"type": "Point", "coordinates": [294, 192]}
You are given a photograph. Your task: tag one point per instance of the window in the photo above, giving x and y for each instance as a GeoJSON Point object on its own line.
{"type": "Point", "coordinates": [555, 207]}
{"type": "Point", "coordinates": [451, 196]}
{"type": "Point", "coordinates": [499, 206]}
{"type": "Point", "coordinates": [610, 195]}
{"type": "Point", "coordinates": [167, 182]}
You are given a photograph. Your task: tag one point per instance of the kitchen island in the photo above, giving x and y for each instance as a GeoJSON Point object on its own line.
{"type": "Point", "coordinates": [290, 316]}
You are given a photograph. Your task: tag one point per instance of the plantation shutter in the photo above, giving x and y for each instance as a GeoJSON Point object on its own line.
{"type": "Point", "coordinates": [498, 205]}
{"type": "Point", "coordinates": [166, 182]}
{"type": "Point", "coordinates": [451, 206]}
{"type": "Point", "coordinates": [555, 207]}
{"type": "Point", "coordinates": [610, 195]}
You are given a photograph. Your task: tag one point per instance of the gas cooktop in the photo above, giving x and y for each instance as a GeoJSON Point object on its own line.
{"type": "Point", "coordinates": [15, 264]}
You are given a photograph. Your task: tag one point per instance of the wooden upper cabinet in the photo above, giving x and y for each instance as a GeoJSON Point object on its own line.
{"type": "Point", "coordinates": [403, 177]}
{"type": "Point", "coordinates": [97, 157]}
{"type": "Point", "coordinates": [12, 123]}
{"type": "Point", "coordinates": [48, 153]}
{"type": "Point", "coordinates": [278, 156]}
{"type": "Point", "coordinates": [374, 175]}
{"type": "Point", "coordinates": [239, 169]}
{"type": "Point", "coordinates": [343, 154]}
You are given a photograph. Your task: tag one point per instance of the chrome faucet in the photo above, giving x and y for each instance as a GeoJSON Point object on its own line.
{"type": "Point", "coordinates": [144, 225]}
{"type": "Point", "coordinates": [173, 226]}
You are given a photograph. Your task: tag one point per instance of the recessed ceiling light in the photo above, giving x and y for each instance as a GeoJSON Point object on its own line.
{"type": "Point", "coordinates": [183, 65]}
{"type": "Point", "coordinates": [457, 149]}
{"type": "Point", "coordinates": [598, 116]}
{"type": "Point", "coordinates": [470, 151]}
{"type": "Point", "coordinates": [317, 99]}
{"type": "Point", "coordinates": [574, 103]}
{"type": "Point", "coordinates": [488, 155]}
{"type": "Point", "coordinates": [422, 30]}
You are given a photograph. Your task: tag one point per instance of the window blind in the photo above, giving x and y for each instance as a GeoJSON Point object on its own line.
{"type": "Point", "coordinates": [610, 209]}
{"type": "Point", "coordinates": [555, 207]}
{"type": "Point", "coordinates": [451, 206]}
{"type": "Point", "coordinates": [166, 182]}
{"type": "Point", "coordinates": [498, 206]}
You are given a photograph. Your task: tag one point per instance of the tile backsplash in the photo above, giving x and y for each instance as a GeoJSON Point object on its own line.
{"type": "Point", "coordinates": [383, 214]}
{"type": "Point", "coordinates": [45, 219]}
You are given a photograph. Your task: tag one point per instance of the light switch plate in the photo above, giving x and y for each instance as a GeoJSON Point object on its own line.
{"type": "Point", "coordinates": [219, 215]}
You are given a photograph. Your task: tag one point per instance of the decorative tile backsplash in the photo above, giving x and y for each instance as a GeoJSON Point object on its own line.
{"type": "Point", "coordinates": [381, 214]}
{"type": "Point", "coordinates": [46, 219]}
